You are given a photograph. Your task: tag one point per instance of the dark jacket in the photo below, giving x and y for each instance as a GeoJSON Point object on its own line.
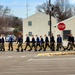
{"type": "Point", "coordinates": [33, 40]}
{"type": "Point", "coordinates": [52, 39]}
{"type": "Point", "coordinates": [69, 38]}
{"type": "Point", "coordinates": [27, 39]}
{"type": "Point", "coordinates": [20, 40]}
{"type": "Point", "coordinates": [10, 39]}
{"type": "Point", "coordinates": [72, 39]}
{"type": "Point", "coordinates": [59, 40]}
{"type": "Point", "coordinates": [46, 39]}
{"type": "Point", "coordinates": [41, 41]}
{"type": "Point", "coordinates": [2, 40]}
{"type": "Point", "coordinates": [37, 40]}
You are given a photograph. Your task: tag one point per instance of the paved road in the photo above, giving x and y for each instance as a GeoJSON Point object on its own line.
{"type": "Point", "coordinates": [27, 63]}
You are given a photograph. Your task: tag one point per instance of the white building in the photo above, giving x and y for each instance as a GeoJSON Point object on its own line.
{"type": "Point", "coordinates": [70, 29]}
{"type": "Point", "coordinates": [37, 24]}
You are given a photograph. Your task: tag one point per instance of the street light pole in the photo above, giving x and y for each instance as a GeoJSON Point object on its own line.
{"type": "Point", "coordinates": [50, 15]}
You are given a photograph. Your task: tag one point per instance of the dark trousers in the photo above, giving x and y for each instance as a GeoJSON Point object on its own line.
{"type": "Point", "coordinates": [69, 45]}
{"type": "Point", "coordinates": [20, 45]}
{"type": "Point", "coordinates": [59, 45]}
{"type": "Point", "coordinates": [3, 47]}
{"type": "Point", "coordinates": [52, 46]}
{"type": "Point", "coordinates": [72, 45]}
{"type": "Point", "coordinates": [33, 45]}
{"type": "Point", "coordinates": [27, 44]}
{"type": "Point", "coordinates": [41, 46]}
{"type": "Point", "coordinates": [10, 45]}
{"type": "Point", "coordinates": [46, 44]}
{"type": "Point", "coordinates": [0, 46]}
{"type": "Point", "coordinates": [37, 44]}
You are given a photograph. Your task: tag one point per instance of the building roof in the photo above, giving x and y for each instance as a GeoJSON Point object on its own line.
{"type": "Point", "coordinates": [64, 21]}
{"type": "Point", "coordinates": [37, 14]}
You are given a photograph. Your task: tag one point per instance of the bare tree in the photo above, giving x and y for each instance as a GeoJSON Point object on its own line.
{"type": "Point", "coordinates": [60, 9]}
{"type": "Point", "coordinates": [4, 12]}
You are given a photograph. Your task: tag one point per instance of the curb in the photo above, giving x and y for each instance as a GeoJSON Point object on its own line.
{"type": "Point", "coordinates": [56, 53]}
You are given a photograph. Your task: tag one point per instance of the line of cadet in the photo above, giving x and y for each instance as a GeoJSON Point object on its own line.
{"type": "Point", "coordinates": [38, 42]}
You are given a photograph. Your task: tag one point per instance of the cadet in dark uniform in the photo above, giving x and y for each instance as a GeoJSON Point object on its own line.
{"type": "Point", "coordinates": [3, 47]}
{"type": "Point", "coordinates": [33, 43]}
{"type": "Point", "coordinates": [27, 42]}
{"type": "Point", "coordinates": [59, 43]}
{"type": "Point", "coordinates": [52, 41]}
{"type": "Point", "coordinates": [20, 41]}
{"type": "Point", "coordinates": [10, 45]}
{"type": "Point", "coordinates": [69, 42]}
{"type": "Point", "coordinates": [37, 42]}
{"type": "Point", "coordinates": [72, 39]}
{"type": "Point", "coordinates": [46, 43]}
{"type": "Point", "coordinates": [41, 43]}
{"type": "Point", "coordinates": [0, 44]}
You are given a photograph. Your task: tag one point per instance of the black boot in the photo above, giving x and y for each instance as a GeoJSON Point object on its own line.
{"type": "Point", "coordinates": [21, 50]}
{"type": "Point", "coordinates": [17, 50]}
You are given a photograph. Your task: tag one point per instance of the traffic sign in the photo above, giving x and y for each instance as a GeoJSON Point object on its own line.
{"type": "Point", "coordinates": [61, 26]}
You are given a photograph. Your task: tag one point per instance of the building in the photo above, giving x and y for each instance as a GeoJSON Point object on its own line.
{"type": "Point", "coordinates": [37, 24]}
{"type": "Point", "coordinates": [70, 29]}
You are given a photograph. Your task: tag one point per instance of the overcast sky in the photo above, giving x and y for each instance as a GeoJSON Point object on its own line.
{"type": "Point", "coordinates": [18, 7]}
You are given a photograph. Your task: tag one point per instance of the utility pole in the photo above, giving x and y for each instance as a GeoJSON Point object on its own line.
{"type": "Point", "coordinates": [50, 9]}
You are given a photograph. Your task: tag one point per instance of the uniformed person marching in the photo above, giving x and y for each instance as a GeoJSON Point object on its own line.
{"type": "Point", "coordinates": [52, 41]}
{"type": "Point", "coordinates": [33, 43]}
{"type": "Point", "coordinates": [27, 42]}
{"type": "Point", "coordinates": [72, 39]}
{"type": "Point", "coordinates": [20, 41]}
{"type": "Point", "coordinates": [69, 42]}
{"type": "Point", "coordinates": [41, 43]}
{"type": "Point", "coordinates": [46, 43]}
{"type": "Point", "coordinates": [37, 42]}
{"type": "Point", "coordinates": [0, 43]}
{"type": "Point", "coordinates": [3, 47]}
{"type": "Point", "coordinates": [10, 43]}
{"type": "Point", "coordinates": [59, 43]}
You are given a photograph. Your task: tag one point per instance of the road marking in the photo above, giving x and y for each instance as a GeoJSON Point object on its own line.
{"type": "Point", "coordinates": [70, 74]}
{"type": "Point", "coordinates": [36, 56]}
{"type": "Point", "coordinates": [9, 56]}
{"type": "Point", "coordinates": [23, 56]}
{"type": "Point", "coordinates": [52, 59]}
{"type": "Point", "coordinates": [29, 59]}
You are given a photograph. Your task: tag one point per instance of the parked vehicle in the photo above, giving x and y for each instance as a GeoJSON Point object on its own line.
{"type": "Point", "coordinates": [8, 36]}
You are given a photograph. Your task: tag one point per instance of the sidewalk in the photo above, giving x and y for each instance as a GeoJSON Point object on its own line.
{"type": "Point", "coordinates": [57, 53]}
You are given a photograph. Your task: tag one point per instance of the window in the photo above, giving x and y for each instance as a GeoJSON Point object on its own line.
{"type": "Point", "coordinates": [49, 33]}
{"type": "Point", "coordinates": [30, 33]}
{"type": "Point", "coordinates": [65, 34]}
{"type": "Point", "coordinates": [29, 23]}
{"type": "Point", "coordinates": [48, 22]}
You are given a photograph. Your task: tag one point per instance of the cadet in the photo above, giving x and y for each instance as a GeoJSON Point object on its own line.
{"type": "Point", "coordinates": [72, 43]}
{"type": "Point", "coordinates": [0, 44]}
{"type": "Point", "coordinates": [27, 41]}
{"type": "Point", "coordinates": [46, 43]}
{"type": "Point", "coordinates": [59, 42]}
{"type": "Point", "coordinates": [20, 41]}
{"type": "Point", "coordinates": [72, 39]}
{"type": "Point", "coordinates": [37, 42]}
{"type": "Point", "coordinates": [69, 42]}
{"type": "Point", "coordinates": [3, 47]}
{"type": "Point", "coordinates": [33, 43]}
{"type": "Point", "coordinates": [10, 45]}
{"type": "Point", "coordinates": [41, 43]}
{"type": "Point", "coordinates": [52, 41]}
